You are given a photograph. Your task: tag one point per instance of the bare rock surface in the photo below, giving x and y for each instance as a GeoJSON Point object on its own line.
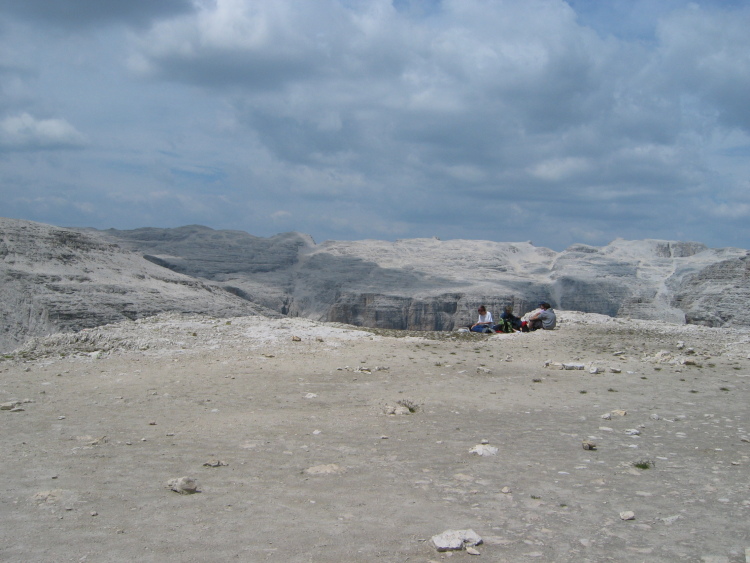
{"type": "Point", "coordinates": [54, 279]}
{"type": "Point", "coordinates": [429, 284]}
{"type": "Point", "coordinates": [116, 413]}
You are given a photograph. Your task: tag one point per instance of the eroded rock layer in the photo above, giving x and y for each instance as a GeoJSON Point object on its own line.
{"type": "Point", "coordinates": [56, 279]}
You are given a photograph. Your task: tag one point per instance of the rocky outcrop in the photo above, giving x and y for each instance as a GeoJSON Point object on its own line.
{"type": "Point", "coordinates": [56, 279]}
{"type": "Point", "coordinates": [431, 284]}
{"type": "Point", "coordinates": [66, 279]}
{"type": "Point", "coordinates": [717, 295]}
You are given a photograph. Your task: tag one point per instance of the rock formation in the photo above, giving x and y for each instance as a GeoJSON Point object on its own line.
{"type": "Point", "coordinates": [64, 279]}
{"type": "Point", "coordinates": [430, 284]}
{"type": "Point", "coordinates": [56, 279]}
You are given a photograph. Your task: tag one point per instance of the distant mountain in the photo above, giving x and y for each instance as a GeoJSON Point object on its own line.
{"type": "Point", "coordinates": [56, 279]}
{"type": "Point", "coordinates": [436, 285]}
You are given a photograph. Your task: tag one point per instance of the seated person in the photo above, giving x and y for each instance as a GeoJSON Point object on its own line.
{"type": "Point", "coordinates": [545, 318]}
{"type": "Point", "coordinates": [484, 324]}
{"type": "Point", "coordinates": [507, 315]}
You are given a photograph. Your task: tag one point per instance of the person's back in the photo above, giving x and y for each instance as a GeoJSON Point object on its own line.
{"type": "Point", "coordinates": [548, 318]}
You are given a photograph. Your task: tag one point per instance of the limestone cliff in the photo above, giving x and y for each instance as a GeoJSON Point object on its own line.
{"type": "Point", "coordinates": [66, 279]}
{"type": "Point", "coordinates": [55, 279]}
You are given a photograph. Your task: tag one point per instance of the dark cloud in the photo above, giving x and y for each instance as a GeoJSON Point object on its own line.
{"type": "Point", "coordinates": [85, 13]}
{"type": "Point", "coordinates": [554, 121]}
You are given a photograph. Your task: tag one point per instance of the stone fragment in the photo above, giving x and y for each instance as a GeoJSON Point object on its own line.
{"type": "Point", "coordinates": [472, 551]}
{"type": "Point", "coordinates": [484, 371]}
{"type": "Point", "coordinates": [619, 412]}
{"type": "Point", "coordinates": [573, 366]}
{"type": "Point", "coordinates": [456, 540]}
{"type": "Point", "coordinates": [655, 417]}
{"type": "Point", "coordinates": [505, 490]}
{"type": "Point", "coordinates": [589, 445]}
{"type": "Point", "coordinates": [296, 339]}
{"type": "Point", "coordinates": [607, 416]}
{"type": "Point", "coordinates": [325, 469]}
{"type": "Point", "coordinates": [10, 405]}
{"type": "Point", "coordinates": [633, 432]}
{"type": "Point", "coordinates": [615, 370]}
{"type": "Point", "coordinates": [183, 485]}
{"type": "Point", "coordinates": [627, 515]}
{"type": "Point", "coordinates": [483, 450]}
{"type": "Point", "coordinates": [595, 370]}
{"type": "Point", "coordinates": [310, 396]}
{"type": "Point", "coordinates": [215, 463]}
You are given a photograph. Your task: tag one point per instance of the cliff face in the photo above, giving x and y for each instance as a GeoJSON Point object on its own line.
{"type": "Point", "coordinates": [430, 284]}
{"type": "Point", "coordinates": [55, 280]}
{"type": "Point", "coordinates": [66, 279]}
{"type": "Point", "coordinates": [718, 295]}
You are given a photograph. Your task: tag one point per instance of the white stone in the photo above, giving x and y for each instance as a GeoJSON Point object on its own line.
{"type": "Point", "coordinates": [483, 450]}
{"type": "Point", "coordinates": [455, 540]}
{"type": "Point", "coordinates": [627, 515]}
{"type": "Point", "coordinates": [183, 485]}
{"type": "Point", "coordinates": [573, 366]}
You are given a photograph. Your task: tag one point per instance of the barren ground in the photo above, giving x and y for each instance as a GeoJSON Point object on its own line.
{"type": "Point", "coordinates": [317, 471]}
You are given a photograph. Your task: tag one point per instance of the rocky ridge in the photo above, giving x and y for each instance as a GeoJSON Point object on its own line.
{"type": "Point", "coordinates": [429, 284]}
{"type": "Point", "coordinates": [57, 279]}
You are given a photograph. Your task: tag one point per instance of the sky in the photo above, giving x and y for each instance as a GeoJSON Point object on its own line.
{"type": "Point", "coordinates": [543, 120]}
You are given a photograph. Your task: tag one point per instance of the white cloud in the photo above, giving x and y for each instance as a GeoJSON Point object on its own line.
{"type": "Point", "coordinates": [25, 132]}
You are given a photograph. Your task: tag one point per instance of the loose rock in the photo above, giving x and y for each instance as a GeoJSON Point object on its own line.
{"type": "Point", "coordinates": [483, 450]}
{"type": "Point", "coordinates": [215, 463]}
{"type": "Point", "coordinates": [327, 469]}
{"type": "Point", "coordinates": [183, 485]}
{"type": "Point", "coordinates": [456, 540]}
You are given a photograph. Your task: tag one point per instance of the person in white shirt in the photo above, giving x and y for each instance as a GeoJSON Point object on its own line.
{"type": "Point", "coordinates": [484, 324]}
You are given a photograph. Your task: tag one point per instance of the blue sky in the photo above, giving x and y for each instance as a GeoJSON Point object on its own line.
{"type": "Point", "coordinates": [544, 120]}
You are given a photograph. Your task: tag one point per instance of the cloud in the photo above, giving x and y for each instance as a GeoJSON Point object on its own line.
{"type": "Point", "coordinates": [543, 119]}
{"type": "Point", "coordinates": [84, 13]}
{"type": "Point", "coordinates": [24, 132]}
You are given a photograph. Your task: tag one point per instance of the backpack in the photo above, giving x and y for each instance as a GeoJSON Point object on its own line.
{"type": "Point", "coordinates": [504, 326]}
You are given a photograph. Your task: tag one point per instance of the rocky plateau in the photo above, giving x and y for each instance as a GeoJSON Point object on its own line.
{"type": "Point", "coordinates": [62, 279]}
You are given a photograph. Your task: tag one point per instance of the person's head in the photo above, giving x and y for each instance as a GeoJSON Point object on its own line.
{"type": "Point", "coordinates": [482, 309]}
{"type": "Point", "coordinates": [545, 305]}
{"type": "Point", "coordinates": [509, 308]}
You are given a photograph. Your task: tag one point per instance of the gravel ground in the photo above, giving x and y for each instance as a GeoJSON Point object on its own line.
{"type": "Point", "coordinates": [285, 426]}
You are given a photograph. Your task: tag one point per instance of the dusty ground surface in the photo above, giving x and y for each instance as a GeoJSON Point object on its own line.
{"type": "Point", "coordinates": [315, 470]}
